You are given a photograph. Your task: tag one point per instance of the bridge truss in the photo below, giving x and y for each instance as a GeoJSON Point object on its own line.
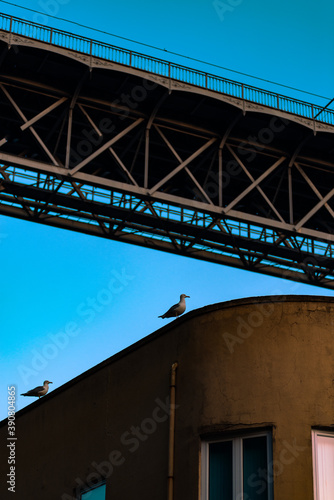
{"type": "Point", "coordinates": [100, 147]}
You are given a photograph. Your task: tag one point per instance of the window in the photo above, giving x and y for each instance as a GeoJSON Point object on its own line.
{"type": "Point", "coordinates": [323, 464]}
{"type": "Point", "coordinates": [238, 468]}
{"type": "Point", "coordinates": [98, 493]}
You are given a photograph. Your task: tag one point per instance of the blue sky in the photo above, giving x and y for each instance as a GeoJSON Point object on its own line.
{"type": "Point", "coordinates": [69, 300]}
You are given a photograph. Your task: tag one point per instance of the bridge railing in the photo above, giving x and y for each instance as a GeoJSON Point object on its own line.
{"type": "Point", "coordinates": [164, 68]}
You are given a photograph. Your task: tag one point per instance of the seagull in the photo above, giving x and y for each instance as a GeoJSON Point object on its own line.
{"type": "Point", "coordinates": [176, 309]}
{"type": "Point", "coordinates": [39, 391]}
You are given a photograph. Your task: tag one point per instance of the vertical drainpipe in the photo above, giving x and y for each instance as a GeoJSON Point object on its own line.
{"type": "Point", "coordinates": [171, 433]}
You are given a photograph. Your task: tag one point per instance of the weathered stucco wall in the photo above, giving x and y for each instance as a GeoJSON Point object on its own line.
{"type": "Point", "coordinates": [253, 363]}
{"type": "Point", "coordinates": [264, 363]}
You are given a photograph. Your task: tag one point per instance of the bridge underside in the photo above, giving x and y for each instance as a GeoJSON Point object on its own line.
{"type": "Point", "coordinates": [107, 150]}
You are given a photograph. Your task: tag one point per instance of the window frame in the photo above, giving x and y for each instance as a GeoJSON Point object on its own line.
{"type": "Point", "coordinates": [237, 462]}
{"type": "Point", "coordinates": [92, 488]}
{"type": "Point", "coordinates": [315, 462]}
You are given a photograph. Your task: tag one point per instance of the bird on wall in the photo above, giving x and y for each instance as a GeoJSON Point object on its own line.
{"type": "Point", "coordinates": [176, 309]}
{"type": "Point", "coordinates": [39, 391]}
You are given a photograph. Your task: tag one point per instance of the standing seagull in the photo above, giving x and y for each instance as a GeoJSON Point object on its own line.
{"type": "Point", "coordinates": [176, 309]}
{"type": "Point", "coordinates": [39, 391]}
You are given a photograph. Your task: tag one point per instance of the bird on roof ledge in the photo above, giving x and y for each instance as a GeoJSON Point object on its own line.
{"type": "Point", "coordinates": [176, 309]}
{"type": "Point", "coordinates": [39, 391]}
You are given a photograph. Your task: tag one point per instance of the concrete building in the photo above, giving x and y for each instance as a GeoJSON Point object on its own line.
{"type": "Point", "coordinates": [253, 415]}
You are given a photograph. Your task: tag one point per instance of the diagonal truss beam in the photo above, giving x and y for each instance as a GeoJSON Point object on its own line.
{"type": "Point", "coordinates": [315, 209]}
{"type": "Point", "coordinates": [43, 113]}
{"type": "Point", "coordinates": [182, 165]}
{"type": "Point", "coordinates": [112, 151]}
{"type": "Point", "coordinates": [179, 159]}
{"type": "Point", "coordinates": [255, 184]}
{"type": "Point", "coordinates": [315, 190]}
{"type": "Point", "coordinates": [106, 146]}
{"type": "Point", "coordinates": [33, 131]}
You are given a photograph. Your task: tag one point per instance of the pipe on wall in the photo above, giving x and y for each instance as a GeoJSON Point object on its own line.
{"type": "Point", "coordinates": [171, 433]}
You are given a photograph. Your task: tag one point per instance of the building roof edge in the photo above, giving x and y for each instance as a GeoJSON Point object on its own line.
{"type": "Point", "coordinates": [166, 328]}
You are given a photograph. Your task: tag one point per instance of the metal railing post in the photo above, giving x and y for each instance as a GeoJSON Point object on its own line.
{"type": "Point", "coordinates": [90, 54]}
{"type": "Point", "coordinates": [10, 32]}
{"type": "Point", "coordinates": [243, 99]}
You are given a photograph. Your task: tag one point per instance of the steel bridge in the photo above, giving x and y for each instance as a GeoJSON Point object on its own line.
{"type": "Point", "coordinates": [112, 143]}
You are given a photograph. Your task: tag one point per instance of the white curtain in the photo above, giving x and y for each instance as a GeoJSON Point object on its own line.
{"type": "Point", "coordinates": [325, 467]}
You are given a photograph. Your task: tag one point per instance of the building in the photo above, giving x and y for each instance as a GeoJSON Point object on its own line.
{"type": "Point", "coordinates": [252, 416]}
